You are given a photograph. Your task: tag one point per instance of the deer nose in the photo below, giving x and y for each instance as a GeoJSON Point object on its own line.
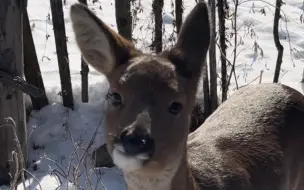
{"type": "Point", "coordinates": [137, 141]}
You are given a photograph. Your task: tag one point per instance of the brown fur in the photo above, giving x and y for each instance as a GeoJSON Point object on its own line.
{"type": "Point", "coordinates": [252, 141]}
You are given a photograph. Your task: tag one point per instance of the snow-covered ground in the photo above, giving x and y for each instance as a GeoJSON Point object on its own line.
{"type": "Point", "coordinates": [60, 139]}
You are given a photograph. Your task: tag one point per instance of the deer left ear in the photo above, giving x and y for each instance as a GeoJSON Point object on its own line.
{"type": "Point", "coordinates": [101, 47]}
{"type": "Point", "coordinates": [189, 53]}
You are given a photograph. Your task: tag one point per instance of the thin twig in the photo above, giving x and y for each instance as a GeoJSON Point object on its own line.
{"type": "Point", "coordinates": [33, 178]}
{"type": "Point", "coordinates": [57, 164]}
{"type": "Point", "coordinates": [235, 46]}
{"type": "Point", "coordinates": [19, 158]}
{"type": "Point", "coordinates": [249, 82]}
{"type": "Point", "coordinates": [233, 70]}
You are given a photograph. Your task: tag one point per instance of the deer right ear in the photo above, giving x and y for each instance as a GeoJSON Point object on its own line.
{"type": "Point", "coordinates": [101, 47]}
{"type": "Point", "coordinates": [189, 52]}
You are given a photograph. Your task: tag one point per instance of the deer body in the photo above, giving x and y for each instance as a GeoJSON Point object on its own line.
{"type": "Point", "coordinates": [252, 141]}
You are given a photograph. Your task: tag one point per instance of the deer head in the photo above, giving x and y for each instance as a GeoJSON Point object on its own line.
{"type": "Point", "coordinates": [151, 96]}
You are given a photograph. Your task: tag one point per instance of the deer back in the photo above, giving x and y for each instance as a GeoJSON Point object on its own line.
{"type": "Point", "coordinates": [252, 141]}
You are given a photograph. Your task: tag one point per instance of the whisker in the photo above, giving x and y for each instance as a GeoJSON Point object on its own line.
{"type": "Point", "coordinates": [113, 135]}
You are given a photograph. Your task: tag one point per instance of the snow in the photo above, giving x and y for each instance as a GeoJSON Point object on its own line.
{"type": "Point", "coordinates": [60, 139]}
{"type": "Point", "coordinates": [250, 63]}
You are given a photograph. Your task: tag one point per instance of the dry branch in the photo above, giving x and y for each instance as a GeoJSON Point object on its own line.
{"type": "Point", "coordinates": [234, 26]}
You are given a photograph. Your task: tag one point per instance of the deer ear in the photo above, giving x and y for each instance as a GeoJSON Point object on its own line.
{"type": "Point", "coordinates": [101, 47]}
{"type": "Point", "coordinates": [189, 52]}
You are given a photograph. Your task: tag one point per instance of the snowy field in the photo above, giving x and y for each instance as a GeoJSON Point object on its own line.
{"type": "Point", "coordinates": [60, 139]}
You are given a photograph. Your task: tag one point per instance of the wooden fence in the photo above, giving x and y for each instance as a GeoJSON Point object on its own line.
{"type": "Point", "coordinates": [18, 60]}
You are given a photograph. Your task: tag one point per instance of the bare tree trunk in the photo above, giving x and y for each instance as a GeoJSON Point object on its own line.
{"type": "Point", "coordinates": [197, 117]}
{"type": "Point", "coordinates": [157, 10]}
{"type": "Point", "coordinates": [302, 81]}
{"type": "Point", "coordinates": [212, 59]}
{"type": "Point", "coordinates": [11, 100]}
{"type": "Point", "coordinates": [84, 72]}
{"type": "Point", "coordinates": [206, 91]}
{"type": "Point", "coordinates": [84, 2]}
{"type": "Point", "coordinates": [124, 18]}
{"type": "Point", "coordinates": [62, 53]}
{"type": "Point", "coordinates": [278, 45]}
{"type": "Point", "coordinates": [31, 65]}
{"type": "Point", "coordinates": [178, 14]}
{"type": "Point", "coordinates": [222, 31]}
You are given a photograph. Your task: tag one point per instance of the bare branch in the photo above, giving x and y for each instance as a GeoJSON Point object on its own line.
{"type": "Point", "coordinates": [21, 85]}
{"type": "Point", "coordinates": [278, 45]}
{"type": "Point", "coordinates": [222, 33]}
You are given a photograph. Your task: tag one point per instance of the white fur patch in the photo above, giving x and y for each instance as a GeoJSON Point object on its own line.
{"type": "Point", "coordinates": [125, 162]}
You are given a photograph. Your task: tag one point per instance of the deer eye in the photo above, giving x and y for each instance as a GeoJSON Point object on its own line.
{"type": "Point", "coordinates": [115, 98]}
{"type": "Point", "coordinates": [175, 108]}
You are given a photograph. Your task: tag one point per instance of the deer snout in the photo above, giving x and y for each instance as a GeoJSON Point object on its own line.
{"type": "Point", "coordinates": [137, 140]}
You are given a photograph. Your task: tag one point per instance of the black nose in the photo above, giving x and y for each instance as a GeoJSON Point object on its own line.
{"type": "Point", "coordinates": [136, 141]}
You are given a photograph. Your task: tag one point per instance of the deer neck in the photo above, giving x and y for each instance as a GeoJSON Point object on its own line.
{"type": "Point", "coordinates": [178, 179]}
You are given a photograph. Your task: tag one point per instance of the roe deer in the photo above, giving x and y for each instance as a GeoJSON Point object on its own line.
{"type": "Point", "coordinates": [252, 141]}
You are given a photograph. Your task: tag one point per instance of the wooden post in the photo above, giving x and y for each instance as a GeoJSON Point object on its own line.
{"type": "Point", "coordinates": [31, 65]}
{"type": "Point", "coordinates": [84, 73]}
{"type": "Point", "coordinates": [11, 100]}
{"type": "Point", "coordinates": [62, 53]}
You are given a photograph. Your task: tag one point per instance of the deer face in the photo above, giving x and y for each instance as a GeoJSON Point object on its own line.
{"type": "Point", "coordinates": [151, 96]}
